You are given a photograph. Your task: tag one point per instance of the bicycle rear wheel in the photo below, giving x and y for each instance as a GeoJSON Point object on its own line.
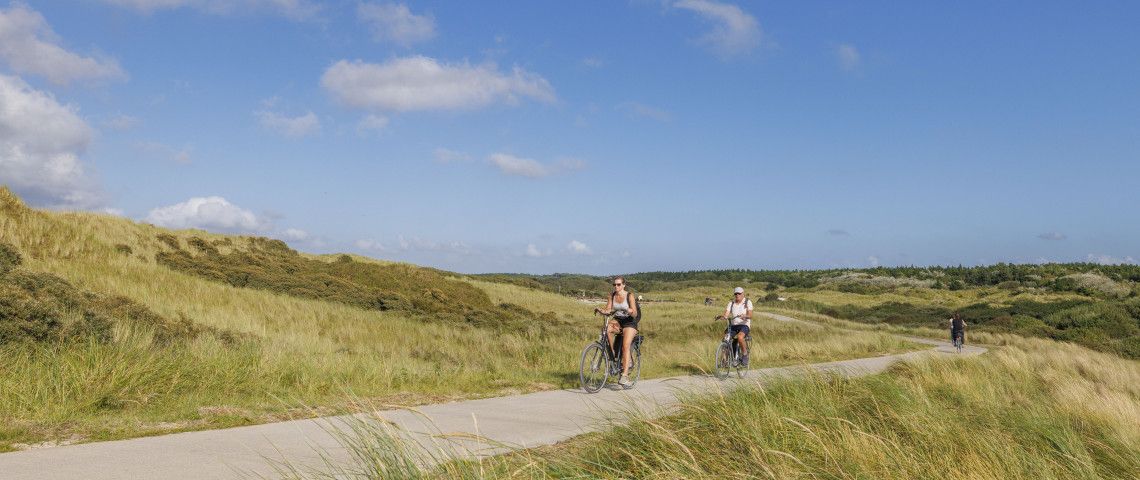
{"type": "Point", "coordinates": [634, 365]}
{"type": "Point", "coordinates": [723, 360]}
{"type": "Point", "coordinates": [594, 368]}
{"type": "Point", "coordinates": [741, 368]}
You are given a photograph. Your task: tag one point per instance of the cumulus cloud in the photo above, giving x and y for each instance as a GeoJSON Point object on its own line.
{"type": "Point", "coordinates": [41, 142]}
{"type": "Point", "coordinates": [370, 244]}
{"type": "Point", "coordinates": [295, 234]}
{"type": "Point", "coordinates": [29, 46]}
{"type": "Point", "coordinates": [1052, 236]}
{"type": "Point", "coordinates": [635, 109]}
{"type": "Point", "coordinates": [1103, 259]}
{"type": "Point", "coordinates": [578, 248]}
{"type": "Point", "coordinates": [593, 62]}
{"type": "Point", "coordinates": [394, 22]}
{"type": "Point", "coordinates": [422, 245]}
{"type": "Point", "coordinates": [526, 167]}
{"type": "Point", "coordinates": [734, 31]}
{"type": "Point", "coordinates": [420, 83]}
{"type": "Point", "coordinates": [848, 57]}
{"type": "Point", "coordinates": [294, 9]}
{"type": "Point", "coordinates": [292, 127]}
{"type": "Point", "coordinates": [444, 155]}
{"type": "Point", "coordinates": [208, 213]}
{"type": "Point", "coordinates": [120, 122]}
{"type": "Point", "coordinates": [533, 251]}
{"type": "Point", "coordinates": [371, 123]}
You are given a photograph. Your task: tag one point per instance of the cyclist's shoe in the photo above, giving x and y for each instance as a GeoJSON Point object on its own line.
{"type": "Point", "coordinates": [624, 381]}
{"type": "Point", "coordinates": [744, 361]}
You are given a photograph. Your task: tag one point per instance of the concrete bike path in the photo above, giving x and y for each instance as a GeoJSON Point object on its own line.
{"type": "Point", "coordinates": [503, 423]}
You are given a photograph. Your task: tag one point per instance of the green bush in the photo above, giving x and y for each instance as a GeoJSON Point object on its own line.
{"type": "Point", "coordinates": [9, 258]}
{"type": "Point", "coordinates": [267, 264]}
{"type": "Point", "coordinates": [40, 307]}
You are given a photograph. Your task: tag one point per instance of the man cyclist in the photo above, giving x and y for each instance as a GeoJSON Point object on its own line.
{"type": "Point", "coordinates": [739, 310]}
{"type": "Point", "coordinates": [623, 306]}
{"type": "Point", "coordinates": [957, 328]}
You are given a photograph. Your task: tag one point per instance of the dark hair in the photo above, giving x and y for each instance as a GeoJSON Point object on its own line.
{"type": "Point", "coordinates": [619, 277]}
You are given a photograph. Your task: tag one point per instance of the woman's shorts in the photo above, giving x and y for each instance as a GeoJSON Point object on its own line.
{"type": "Point", "coordinates": [627, 322]}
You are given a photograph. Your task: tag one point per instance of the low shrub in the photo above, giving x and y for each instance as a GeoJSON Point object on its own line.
{"type": "Point", "coordinates": [267, 264]}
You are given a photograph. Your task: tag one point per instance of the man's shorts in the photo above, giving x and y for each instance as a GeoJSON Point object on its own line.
{"type": "Point", "coordinates": [736, 329]}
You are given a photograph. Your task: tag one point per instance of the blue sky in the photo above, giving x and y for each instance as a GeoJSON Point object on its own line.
{"type": "Point", "coordinates": [598, 137]}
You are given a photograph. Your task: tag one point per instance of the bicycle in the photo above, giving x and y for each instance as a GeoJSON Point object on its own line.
{"type": "Point", "coordinates": [599, 361]}
{"type": "Point", "coordinates": [959, 340]}
{"type": "Point", "coordinates": [728, 355]}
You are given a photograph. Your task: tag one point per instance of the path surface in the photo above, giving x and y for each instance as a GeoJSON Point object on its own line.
{"type": "Point", "coordinates": [518, 421]}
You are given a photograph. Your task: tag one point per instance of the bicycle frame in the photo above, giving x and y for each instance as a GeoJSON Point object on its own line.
{"type": "Point", "coordinates": [612, 357]}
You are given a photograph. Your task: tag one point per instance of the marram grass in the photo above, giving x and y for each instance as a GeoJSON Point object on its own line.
{"type": "Point", "coordinates": [1033, 409]}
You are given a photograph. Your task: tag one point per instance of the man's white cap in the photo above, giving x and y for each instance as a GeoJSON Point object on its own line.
{"type": "Point", "coordinates": [738, 290]}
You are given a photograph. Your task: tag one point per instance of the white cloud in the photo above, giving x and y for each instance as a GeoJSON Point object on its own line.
{"type": "Point", "coordinates": [208, 213]}
{"type": "Point", "coordinates": [593, 62]}
{"type": "Point", "coordinates": [635, 109]}
{"type": "Point", "coordinates": [40, 145]}
{"type": "Point", "coordinates": [873, 261]}
{"type": "Point", "coordinates": [1052, 236]}
{"type": "Point", "coordinates": [369, 244]}
{"type": "Point", "coordinates": [292, 127]}
{"type": "Point", "coordinates": [120, 122]}
{"type": "Point", "coordinates": [578, 248]}
{"type": "Point", "coordinates": [534, 252]}
{"type": "Point", "coordinates": [372, 123]}
{"type": "Point", "coordinates": [294, 9]}
{"type": "Point", "coordinates": [295, 234]}
{"type": "Point", "coordinates": [526, 167]}
{"type": "Point", "coordinates": [1109, 259]}
{"type": "Point", "coordinates": [734, 32]}
{"type": "Point", "coordinates": [29, 46]}
{"type": "Point", "coordinates": [443, 155]}
{"type": "Point", "coordinates": [848, 57]}
{"type": "Point", "coordinates": [179, 155]}
{"type": "Point", "coordinates": [422, 83]}
{"type": "Point", "coordinates": [394, 22]}
{"type": "Point", "coordinates": [422, 245]}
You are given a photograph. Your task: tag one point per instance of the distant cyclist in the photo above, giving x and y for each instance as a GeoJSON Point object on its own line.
{"type": "Point", "coordinates": [957, 328]}
{"type": "Point", "coordinates": [739, 310]}
{"type": "Point", "coordinates": [624, 307]}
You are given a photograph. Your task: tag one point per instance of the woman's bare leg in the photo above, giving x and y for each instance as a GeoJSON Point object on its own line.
{"type": "Point", "coordinates": [627, 335]}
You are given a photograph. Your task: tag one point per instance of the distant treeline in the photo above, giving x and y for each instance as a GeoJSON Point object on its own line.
{"type": "Point", "coordinates": [1045, 275]}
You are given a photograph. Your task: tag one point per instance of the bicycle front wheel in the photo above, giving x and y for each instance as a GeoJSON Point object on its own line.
{"type": "Point", "coordinates": [723, 360]}
{"type": "Point", "coordinates": [594, 368]}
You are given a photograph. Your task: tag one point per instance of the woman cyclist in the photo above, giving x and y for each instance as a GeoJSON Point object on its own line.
{"type": "Point", "coordinates": [957, 328]}
{"type": "Point", "coordinates": [624, 307]}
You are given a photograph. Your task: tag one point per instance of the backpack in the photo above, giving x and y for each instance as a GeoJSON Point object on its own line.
{"type": "Point", "coordinates": [629, 301]}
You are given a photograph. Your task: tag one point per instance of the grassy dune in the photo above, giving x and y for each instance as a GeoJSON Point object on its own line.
{"type": "Point", "coordinates": [300, 351]}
